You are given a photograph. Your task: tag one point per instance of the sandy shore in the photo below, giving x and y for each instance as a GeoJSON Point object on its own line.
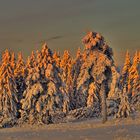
{"type": "Point", "coordinates": [127, 129]}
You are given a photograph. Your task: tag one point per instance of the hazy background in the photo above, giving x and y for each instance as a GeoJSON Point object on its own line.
{"type": "Point", "coordinates": [26, 24]}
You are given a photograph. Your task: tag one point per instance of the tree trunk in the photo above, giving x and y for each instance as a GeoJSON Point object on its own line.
{"type": "Point", "coordinates": [103, 101]}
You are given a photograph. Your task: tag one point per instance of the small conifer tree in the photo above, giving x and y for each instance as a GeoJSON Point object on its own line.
{"type": "Point", "coordinates": [66, 77]}
{"type": "Point", "coordinates": [8, 91]}
{"type": "Point", "coordinates": [134, 75]}
{"type": "Point", "coordinates": [124, 79]}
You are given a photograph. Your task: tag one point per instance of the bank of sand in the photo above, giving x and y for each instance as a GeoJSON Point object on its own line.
{"type": "Point", "coordinates": [126, 129]}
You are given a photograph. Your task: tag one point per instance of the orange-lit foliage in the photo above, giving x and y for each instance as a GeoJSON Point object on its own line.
{"type": "Point", "coordinates": [13, 61]}
{"type": "Point", "coordinates": [20, 66]}
{"type": "Point", "coordinates": [32, 70]}
{"type": "Point", "coordinates": [66, 77]}
{"type": "Point", "coordinates": [20, 74]}
{"type": "Point", "coordinates": [97, 66]}
{"type": "Point", "coordinates": [96, 72]}
{"type": "Point", "coordinates": [57, 58]}
{"type": "Point", "coordinates": [75, 71]}
{"type": "Point", "coordinates": [125, 108]}
{"type": "Point", "coordinates": [134, 75]}
{"type": "Point", "coordinates": [48, 84]}
{"type": "Point", "coordinates": [92, 94]}
{"type": "Point", "coordinates": [124, 81]}
{"type": "Point", "coordinates": [8, 96]}
{"type": "Point", "coordinates": [43, 82]}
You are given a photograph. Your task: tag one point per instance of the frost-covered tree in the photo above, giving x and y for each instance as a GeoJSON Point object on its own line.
{"type": "Point", "coordinates": [13, 61]}
{"type": "Point", "coordinates": [124, 79]}
{"type": "Point", "coordinates": [8, 91]}
{"type": "Point", "coordinates": [92, 94]}
{"type": "Point", "coordinates": [125, 108]}
{"type": "Point", "coordinates": [114, 88]}
{"type": "Point", "coordinates": [57, 58]}
{"type": "Point", "coordinates": [32, 70]}
{"type": "Point", "coordinates": [42, 96]}
{"type": "Point", "coordinates": [129, 85]}
{"type": "Point", "coordinates": [66, 77]}
{"type": "Point", "coordinates": [20, 74]}
{"type": "Point", "coordinates": [134, 75]}
{"type": "Point", "coordinates": [48, 86]}
{"type": "Point", "coordinates": [32, 92]}
{"type": "Point", "coordinates": [20, 66]}
{"type": "Point", "coordinates": [75, 71]}
{"type": "Point", "coordinates": [96, 72]}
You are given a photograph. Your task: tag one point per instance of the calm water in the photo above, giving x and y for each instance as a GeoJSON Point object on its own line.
{"type": "Point", "coordinates": [26, 24]}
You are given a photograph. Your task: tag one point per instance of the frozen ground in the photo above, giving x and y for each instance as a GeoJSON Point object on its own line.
{"type": "Point", "coordinates": [126, 129]}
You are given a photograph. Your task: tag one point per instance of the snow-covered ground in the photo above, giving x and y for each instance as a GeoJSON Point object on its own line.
{"type": "Point", "coordinates": [126, 129]}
